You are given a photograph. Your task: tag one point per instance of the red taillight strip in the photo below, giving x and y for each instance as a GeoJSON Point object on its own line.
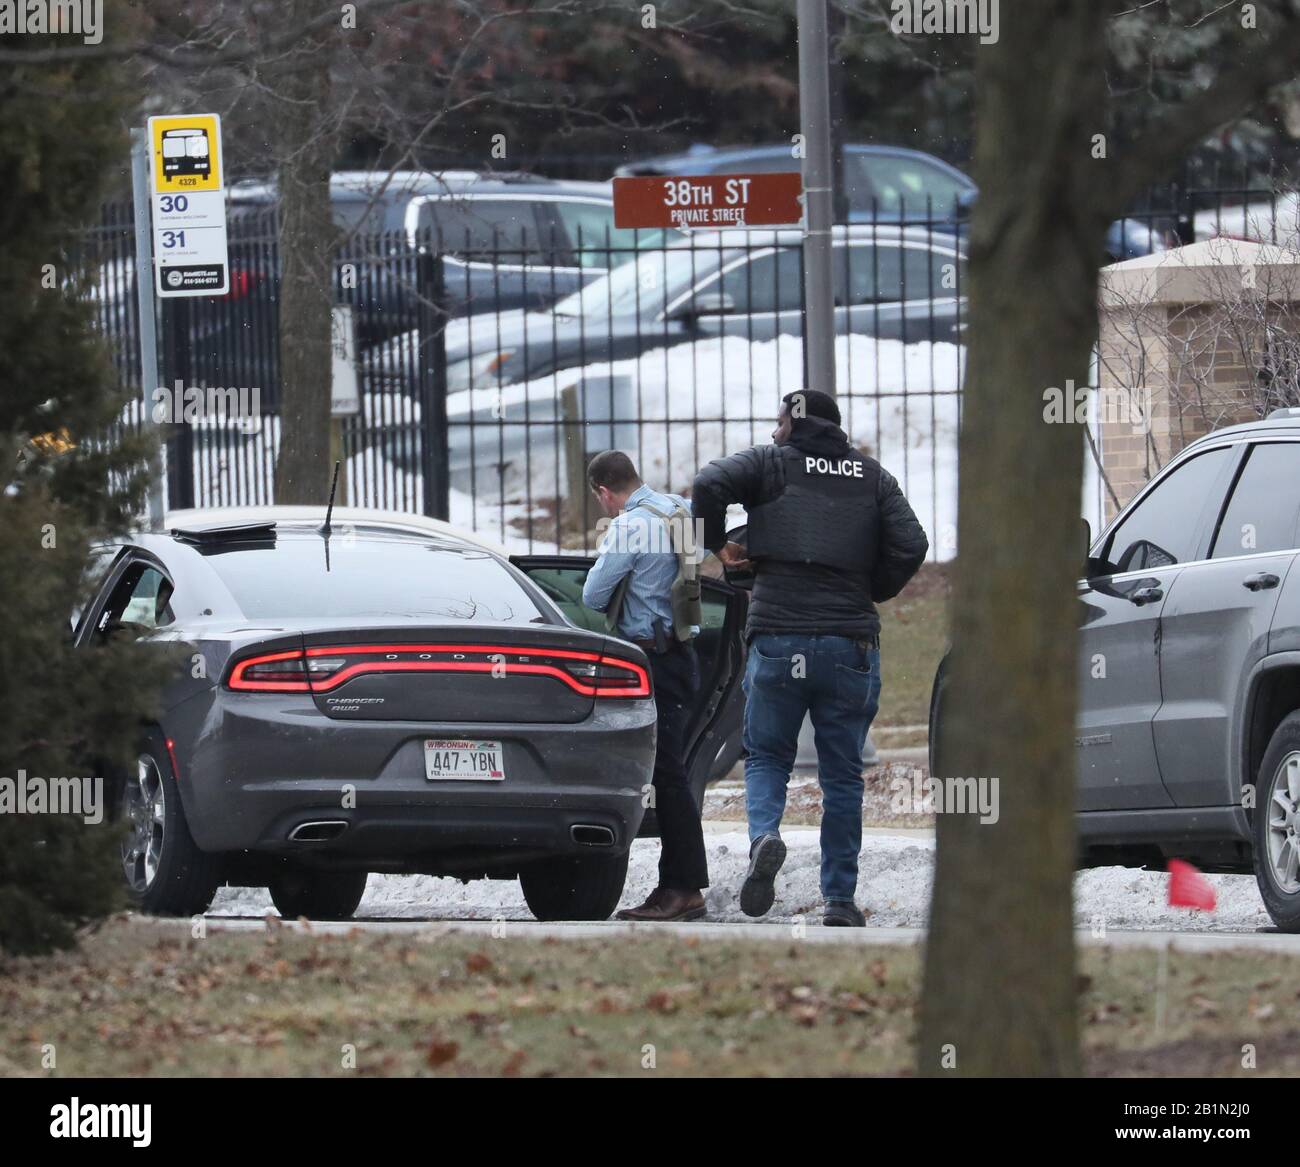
{"type": "Point", "coordinates": [240, 683]}
{"type": "Point", "coordinates": [640, 689]}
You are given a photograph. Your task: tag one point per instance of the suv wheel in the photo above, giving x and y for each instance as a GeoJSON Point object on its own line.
{"type": "Point", "coordinates": [318, 895]}
{"type": "Point", "coordinates": [574, 887]}
{"type": "Point", "coordinates": [166, 872]}
{"type": "Point", "coordinates": [1276, 826]}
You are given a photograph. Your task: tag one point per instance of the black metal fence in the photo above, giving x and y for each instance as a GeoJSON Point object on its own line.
{"type": "Point", "coordinates": [490, 367]}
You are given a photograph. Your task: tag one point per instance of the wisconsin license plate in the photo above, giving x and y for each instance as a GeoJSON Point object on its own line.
{"type": "Point", "coordinates": [462, 759]}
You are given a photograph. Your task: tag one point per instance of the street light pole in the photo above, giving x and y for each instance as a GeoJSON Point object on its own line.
{"type": "Point", "coordinates": [818, 210]}
{"type": "Point", "coordinates": [818, 184]}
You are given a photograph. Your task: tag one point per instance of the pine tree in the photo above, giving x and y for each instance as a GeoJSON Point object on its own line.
{"type": "Point", "coordinates": [65, 483]}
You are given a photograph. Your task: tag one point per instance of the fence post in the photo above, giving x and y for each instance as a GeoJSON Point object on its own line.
{"type": "Point", "coordinates": [575, 463]}
{"type": "Point", "coordinates": [431, 365]}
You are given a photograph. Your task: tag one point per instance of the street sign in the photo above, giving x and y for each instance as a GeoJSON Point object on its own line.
{"type": "Point", "coordinates": [345, 399]}
{"type": "Point", "coordinates": [188, 200]}
{"type": "Point", "coordinates": [708, 200]}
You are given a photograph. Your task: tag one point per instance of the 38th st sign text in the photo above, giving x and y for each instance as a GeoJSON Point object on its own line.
{"type": "Point", "coordinates": [708, 200]}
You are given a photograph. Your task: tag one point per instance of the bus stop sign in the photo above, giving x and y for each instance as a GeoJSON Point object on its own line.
{"type": "Point", "coordinates": [708, 200]}
{"type": "Point", "coordinates": [188, 205]}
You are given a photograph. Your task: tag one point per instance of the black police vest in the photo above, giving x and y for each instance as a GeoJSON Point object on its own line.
{"type": "Point", "coordinates": [826, 515]}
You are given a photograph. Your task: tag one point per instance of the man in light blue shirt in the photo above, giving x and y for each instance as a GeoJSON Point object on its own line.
{"type": "Point", "coordinates": [639, 546]}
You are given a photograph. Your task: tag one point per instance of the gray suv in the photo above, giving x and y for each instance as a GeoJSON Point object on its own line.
{"type": "Point", "coordinates": [1188, 731]}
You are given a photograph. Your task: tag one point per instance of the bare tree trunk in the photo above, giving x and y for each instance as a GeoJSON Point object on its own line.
{"type": "Point", "coordinates": [999, 993]}
{"type": "Point", "coordinates": [300, 96]}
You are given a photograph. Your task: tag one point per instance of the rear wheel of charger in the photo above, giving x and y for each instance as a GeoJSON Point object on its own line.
{"type": "Point", "coordinates": [318, 895]}
{"type": "Point", "coordinates": [574, 887]}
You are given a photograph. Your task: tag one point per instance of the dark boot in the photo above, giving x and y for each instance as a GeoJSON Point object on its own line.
{"type": "Point", "coordinates": [766, 855]}
{"type": "Point", "coordinates": [843, 914]}
{"type": "Point", "coordinates": [666, 904]}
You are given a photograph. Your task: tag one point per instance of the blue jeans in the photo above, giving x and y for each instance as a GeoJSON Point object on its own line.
{"type": "Point", "coordinates": [837, 681]}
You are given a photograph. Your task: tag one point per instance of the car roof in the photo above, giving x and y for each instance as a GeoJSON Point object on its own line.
{"type": "Point", "coordinates": [793, 235]}
{"type": "Point", "coordinates": [211, 518]}
{"type": "Point", "coordinates": [354, 185]}
{"type": "Point", "coordinates": [1272, 426]}
{"type": "Point", "coordinates": [702, 158]}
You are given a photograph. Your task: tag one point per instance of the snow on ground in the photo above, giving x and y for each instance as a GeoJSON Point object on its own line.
{"type": "Point", "coordinates": [893, 884]}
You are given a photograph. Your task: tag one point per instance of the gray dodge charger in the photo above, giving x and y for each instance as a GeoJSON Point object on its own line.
{"type": "Point", "coordinates": [395, 697]}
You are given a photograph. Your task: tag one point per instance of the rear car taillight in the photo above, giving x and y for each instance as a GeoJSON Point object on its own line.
{"type": "Point", "coordinates": [611, 677]}
{"type": "Point", "coordinates": [277, 672]}
{"type": "Point", "coordinates": [322, 670]}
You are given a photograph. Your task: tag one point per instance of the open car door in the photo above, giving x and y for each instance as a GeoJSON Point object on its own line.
{"type": "Point", "coordinates": [713, 734]}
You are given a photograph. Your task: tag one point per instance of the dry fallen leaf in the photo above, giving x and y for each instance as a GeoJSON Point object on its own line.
{"type": "Point", "coordinates": [441, 1052]}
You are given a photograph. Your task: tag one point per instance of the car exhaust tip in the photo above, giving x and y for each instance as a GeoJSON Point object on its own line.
{"type": "Point", "coordinates": [318, 831]}
{"type": "Point", "coordinates": [591, 835]}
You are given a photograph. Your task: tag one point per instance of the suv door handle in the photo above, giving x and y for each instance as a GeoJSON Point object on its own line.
{"type": "Point", "coordinates": [1258, 583]}
{"type": "Point", "coordinates": [1147, 596]}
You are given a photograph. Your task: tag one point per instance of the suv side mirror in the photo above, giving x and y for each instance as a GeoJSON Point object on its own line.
{"type": "Point", "coordinates": [705, 304]}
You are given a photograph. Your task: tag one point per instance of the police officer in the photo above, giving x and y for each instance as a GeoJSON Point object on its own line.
{"type": "Point", "coordinates": [829, 535]}
{"type": "Point", "coordinates": [641, 562]}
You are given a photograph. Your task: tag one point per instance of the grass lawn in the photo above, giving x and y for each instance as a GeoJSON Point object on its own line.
{"type": "Point", "coordinates": [138, 999]}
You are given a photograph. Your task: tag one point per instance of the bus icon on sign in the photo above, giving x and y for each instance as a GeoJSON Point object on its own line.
{"type": "Point", "coordinates": [186, 152]}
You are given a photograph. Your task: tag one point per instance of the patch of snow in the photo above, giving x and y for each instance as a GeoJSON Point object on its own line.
{"type": "Point", "coordinates": [894, 877]}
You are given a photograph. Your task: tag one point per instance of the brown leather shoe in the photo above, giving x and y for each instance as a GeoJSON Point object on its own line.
{"type": "Point", "coordinates": [665, 904]}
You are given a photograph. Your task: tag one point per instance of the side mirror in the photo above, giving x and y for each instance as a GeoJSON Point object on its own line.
{"type": "Point", "coordinates": [1089, 567]}
{"type": "Point", "coordinates": [705, 304]}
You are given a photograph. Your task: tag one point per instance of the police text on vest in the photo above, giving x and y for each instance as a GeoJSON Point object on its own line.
{"type": "Point", "coordinates": [846, 467]}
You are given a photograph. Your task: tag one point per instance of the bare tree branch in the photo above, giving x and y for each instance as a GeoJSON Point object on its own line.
{"type": "Point", "coordinates": [1260, 68]}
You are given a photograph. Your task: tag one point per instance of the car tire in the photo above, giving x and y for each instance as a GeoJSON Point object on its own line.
{"type": "Point", "coordinates": [575, 887]}
{"type": "Point", "coordinates": [166, 872]}
{"type": "Point", "coordinates": [1276, 825]}
{"type": "Point", "coordinates": [318, 895]}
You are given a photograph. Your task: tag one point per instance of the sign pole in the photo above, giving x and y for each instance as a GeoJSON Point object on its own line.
{"type": "Point", "coordinates": [148, 321]}
{"type": "Point", "coordinates": [818, 183]}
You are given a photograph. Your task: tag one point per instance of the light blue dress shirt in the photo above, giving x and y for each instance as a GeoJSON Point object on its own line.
{"type": "Point", "coordinates": [637, 541]}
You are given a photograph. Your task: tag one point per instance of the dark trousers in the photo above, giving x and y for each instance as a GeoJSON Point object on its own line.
{"type": "Point", "coordinates": [682, 864]}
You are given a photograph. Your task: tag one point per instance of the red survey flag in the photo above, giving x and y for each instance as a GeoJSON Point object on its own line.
{"type": "Point", "coordinates": [1188, 888]}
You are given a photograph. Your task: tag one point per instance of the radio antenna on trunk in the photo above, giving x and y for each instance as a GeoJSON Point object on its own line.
{"type": "Point", "coordinates": [329, 510]}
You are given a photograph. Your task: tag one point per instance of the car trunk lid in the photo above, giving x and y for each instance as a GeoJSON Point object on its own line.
{"type": "Point", "coordinates": [480, 674]}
